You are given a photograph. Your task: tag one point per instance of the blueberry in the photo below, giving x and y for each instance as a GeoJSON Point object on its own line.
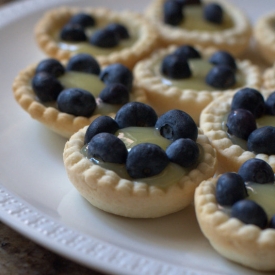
{"type": "Point", "coordinates": [241, 123]}
{"type": "Point", "coordinates": [76, 102]}
{"type": "Point", "coordinates": [184, 152]}
{"type": "Point", "coordinates": [230, 188]}
{"type": "Point", "coordinates": [73, 33]}
{"type": "Point", "coordinates": [213, 13]}
{"type": "Point", "coordinates": [223, 58]}
{"type": "Point", "coordinates": [83, 62]}
{"type": "Point", "coordinates": [189, 2]}
{"type": "Point", "coordinates": [249, 99]}
{"type": "Point", "coordinates": [176, 124]}
{"type": "Point", "coordinates": [270, 104]}
{"type": "Point", "coordinates": [172, 12]}
{"type": "Point", "coordinates": [272, 222]}
{"type": "Point", "coordinates": [117, 73]}
{"type": "Point", "coordinates": [51, 66]}
{"type": "Point", "coordinates": [136, 114]}
{"type": "Point", "coordinates": [83, 19]}
{"type": "Point", "coordinates": [249, 212]}
{"type": "Point", "coordinates": [46, 87]}
{"type": "Point", "coordinates": [104, 38]}
{"type": "Point", "coordinates": [221, 77]}
{"type": "Point", "coordinates": [175, 67]}
{"type": "Point", "coordinates": [101, 124]}
{"type": "Point", "coordinates": [114, 93]}
{"type": "Point", "coordinates": [108, 148]}
{"type": "Point", "coordinates": [146, 160]}
{"type": "Point", "coordinates": [119, 29]}
{"type": "Point", "coordinates": [256, 170]}
{"type": "Point", "coordinates": [186, 52]}
{"type": "Point", "coordinates": [261, 141]}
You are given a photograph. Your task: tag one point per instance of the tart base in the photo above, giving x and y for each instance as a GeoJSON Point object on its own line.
{"type": "Point", "coordinates": [247, 245]}
{"type": "Point", "coordinates": [106, 190]}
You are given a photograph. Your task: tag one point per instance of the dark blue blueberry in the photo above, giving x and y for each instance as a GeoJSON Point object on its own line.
{"type": "Point", "coordinates": [262, 141]}
{"type": "Point", "coordinates": [221, 77]}
{"type": "Point", "coordinates": [189, 2]}
{"type": "Point", "coordinates": [241, 123]}
{"type": "Point", "coordinates": [223, 58]}
{"type": "Point", "coordinates": [272, 222]}
{"type": "Point", "coordinates": [117, 73]}
{"type": "Point", "coordinates": [104, 38]}
{"type": "Point", "coordinates": [119, 29]}
{"type": "Point", "coordinates": [83, 19]}
{"type": "Point", "coordinates": [186, 52]}
{"type": "Point", "coordinates": [114, 93]}
{"type": "Point", "coordinates": [146, 160]}
{"type": "Point", "coordinates": [51, 66]}
{"type": "Point", "coordinates": [256, 170]}
{"type": "Point", "coordinates": [176, 124]}
{"type": "Point", "coordinates": [249, 212]}
{"type": "Point", "coordinates": [73, 33]}
{"type": "Point", "coordinates": [83, 62]}
{"type": "Point", "coordinates": [175, 67]}
{"type": "Point", "coordinates": [102, 124]}
{"type": "Point", "coordinates": [213, 13]}
{"type": "Point", "coordinates": [172, 12]}
{"type": "Point", "coordinates": [230, 188]}
{"type": "Point", "coordinates": [46, 87]}
{"type": "Point", "coordinates": [249, 99]}
{"type": "Point", "coordinates": [184, 152]}
{"type": "Point", "coordinates": [270, 104]}
{"type": "Point", "coordinates": [108, 148]}
{"type": "Point", "coordinates": [136, 114]}
{"type": "Point", "coordinates": [76, 102]}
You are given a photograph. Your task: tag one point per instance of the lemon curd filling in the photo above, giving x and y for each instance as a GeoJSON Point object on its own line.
{"type": "Point", "coordinates": [132, 136]}
{"type": "Point", "coordinates": [199, 68]}
{"type": "Point", "coordinates": [193, 20]}
{"type": "Point", "coordinates": [86, 47]}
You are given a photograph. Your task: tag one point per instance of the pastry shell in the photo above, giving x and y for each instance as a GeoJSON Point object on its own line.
{"type": "Point", "coordinates": [245, 244]}
{"type": "Point", "coordinates": [234, 40]}
{"type": "Point", "coordinates": [61, 123]}
{"type": "Point", "coordinates": [106, 190]}
{"type": "Point", "coordinates": [230, 156]}
{"type": "Point", "coordinates": [53, 20]}
{"type": "Point", "coordinates": [163, 97]}
{"type": "Point", "coordinates": [264, 33]}
{"type": "Point", "coordinates": [269, 79]}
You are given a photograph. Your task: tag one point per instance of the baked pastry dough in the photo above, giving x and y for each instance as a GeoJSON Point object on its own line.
{"type": "Point", "coordinates": [163, 97]}
{"type": "Point", "coordinates": [107, 191]}
{"type": "Point", "coordinates": [269, 79]}
{"type": "Point", "coordinates": [144, 32]}
{"type": "Point", "coordinates": [230, 156]}
{"type": "Point", "coordinates": [234, 39]}
{"type": "Point", "coordinates": [245, 244]}
{"type": "Point", "coordinates": [264, 33]}
{"type": "Point", "coordinates": [62, 123]}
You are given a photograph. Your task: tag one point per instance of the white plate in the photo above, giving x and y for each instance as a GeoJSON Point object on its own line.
{"type": "Point", "coordinates": [37, 199]}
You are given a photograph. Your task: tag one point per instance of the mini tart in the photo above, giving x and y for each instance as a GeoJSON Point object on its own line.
{"type": "Point", "coordinates": [62, 123]}
{"type": "Point", "coordinates": [136, 199]}
{"type": "Point", "coordinates": [245, 244]}
{"type": "Point", "coordinates": [163, 97]}
{"type": "Point", "coordinates": [52, 22]}
{"type": "Point", "coordinates": [234, 40]}
{"type": "Point", "coordinates": [264, 33]}
{"type": "Point", "coordinates": [230, 156]}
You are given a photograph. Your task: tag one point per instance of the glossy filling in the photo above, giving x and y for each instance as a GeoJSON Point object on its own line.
{"type": "Point", "coordinates": [193, 20]}
{"type": "Point", "coordinates": [200, 68]}
{"type": "Point", "coordinates": [132, 136]}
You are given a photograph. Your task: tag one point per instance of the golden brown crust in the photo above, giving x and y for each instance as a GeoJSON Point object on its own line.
{"type": "Point", "coordinates": [53, 20]}
{"type": "Point", "coordinates": [245, 244]}
{"type": "Point", "coordinates": [264, 34]}
{"type": "Point", "coordinates": [234, 40]}
{"type": "Point", "coordinates": [163, 97]}
{"type": "Point", "coordinates": [230, 156]}
{"type": "Point", "coordinates": [107, 191]}
{"type": "Point", "coordinates": [269, 79]}
{"type": "Point", "coordinates": [62, 123]}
